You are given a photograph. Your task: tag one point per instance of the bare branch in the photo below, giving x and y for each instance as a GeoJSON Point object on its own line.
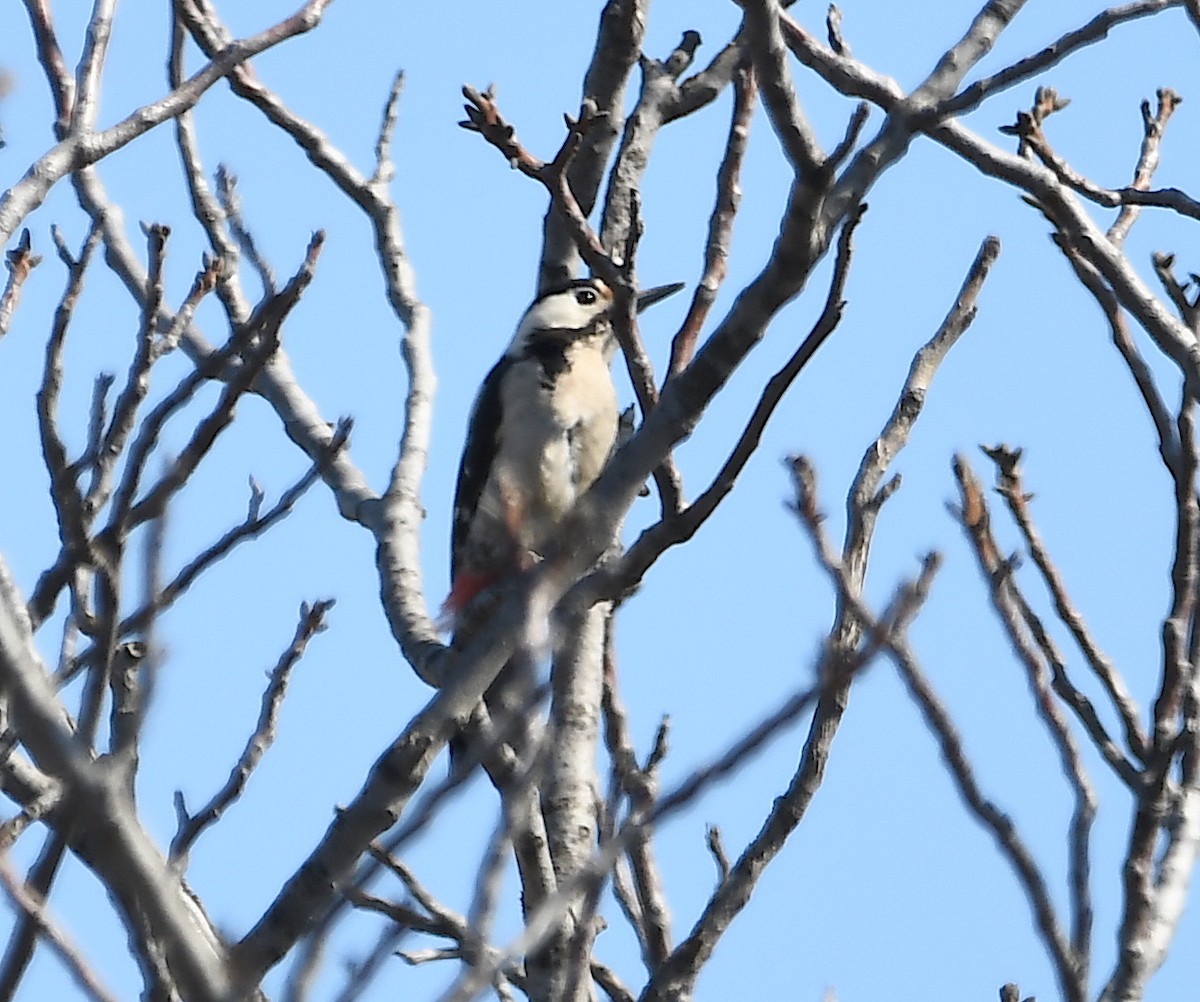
{"type": "Point", "coordinates": [1178, 672]}
{"type": "Point", "coordinates": [720, 224]}
{"type": "Point", "coordinates": [117, 846]}
{"type": "Point", "coordinates": [1095, 30]}
{"type": "Point", "coordinates": [1153, 127]}
{"type": "Point", "coordinates": [618, 45]}
{"type": "Point", "coordinates": [853, 79]}
{"type": "Point", "coordinates": [470, 945]}
{"type": "Point", "coordinates": [610, 983]}
{"type": "Point", "coordinates": [73, 520]}
{"type": "Point", "coordinates": [898, 649]}
{"type": "Point", "coordinates": [84, 148]}
{"type": "Point", "coordinates": [254, 525]}
{"type": "Point", "coordinates": [20, 261]}
{"type": "Point", "coordinates": [390, 784]}
{"type": "Point", "coordinates": [997, 822]}
{"type": "Point", "coordinates": [863, 502]}
{"type": "Point", "coordinates": [1015, 612]}
{"type": "Point", "coordinates": [838, 666]}
{"type": "Point", "coordinates": [258, 341]}
{"type": "Point", "coordinates": [620, 578]}
{"type": "Point", "coordinates": [765, 41]}
{"type": "Point", "coordinates": [232, 206]}
{"type": "Point", "coordinates": [385, 167]}
{"type": "Point", "coordinates": [659, 96]}
{"type": "Point", "coordinates": [125, 720]}
{"type": "Point", "coordinates": [1028, 128]}
{"type": "Point", "coordinates": [712, 838]}
{"type": "Point", "coordinates": [62, 84]}
{"type": "Point", "coordinates": [568, 792]}
{"type": "Point", "coordinates": [1142, 374]}
{"type": "Point", "coordinates": [833, 27]}
{"type": "Point", "coordinates": [35, 910]}
{"type": "Point", "coordinates": [637, 360]}
{"type": "Point", "coordinates": [137, 384]}
{"type": "Point", "coordinates": [703, 87]}
{"type": "Point", "coordinates": [1189, 309]}
{"type": "Point", "coordinates": [1011, 488]}
{"type": "Point", "coordinates": [91, 64]}
{"type": "Point", "coordinates": [652, 918]}
{"type": "Point", "coordinates": [1145, 931]}
{"type": "Point", "coordinates": [395, 522]}
{"type": "Point", "coordinates": [539, 924]}
{"type": "Point", "coordinates": [1193, 12]}
{"type": "Point", "coordinates": [866, 496]}
{"type": "Point", "coordinates": [206, 207]}
{"type": "Point", "coordinates": [484, 117]}
{"type": "Point", "coordinates": [31, 924]}
{"type": "Point", "coordinates": [854, 129]}
{"type": "Point", "coordinates": [192, 826]}
{"type": "Point", "coordinates": [362, 973]}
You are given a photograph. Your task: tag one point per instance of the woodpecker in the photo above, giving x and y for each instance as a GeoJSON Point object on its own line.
{"type": "Point", "coordinates": [541, 430]}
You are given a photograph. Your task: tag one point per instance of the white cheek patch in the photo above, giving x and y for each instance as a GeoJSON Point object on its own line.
{"type": "Point", "coordinates": [559, 312]}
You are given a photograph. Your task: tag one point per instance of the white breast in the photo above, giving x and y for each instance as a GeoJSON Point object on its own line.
{"type": "Point", "coordinates": [565, 436]}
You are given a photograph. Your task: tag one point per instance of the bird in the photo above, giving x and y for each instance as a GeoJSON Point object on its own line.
{"type": "Point", "coordinates": [542, 426]}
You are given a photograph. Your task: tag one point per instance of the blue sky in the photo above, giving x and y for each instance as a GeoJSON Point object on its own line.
{"type": "Point", "coordinates": [887, 883]}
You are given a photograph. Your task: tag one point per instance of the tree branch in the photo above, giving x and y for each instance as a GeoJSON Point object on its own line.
{"type": "Point", "coordinates": [192, 826]}
{"type": "Point", "coordinates": [79, 149]}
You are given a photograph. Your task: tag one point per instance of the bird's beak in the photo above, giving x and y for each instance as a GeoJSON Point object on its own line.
{"type": "Point", "coordinates": [649, 297]}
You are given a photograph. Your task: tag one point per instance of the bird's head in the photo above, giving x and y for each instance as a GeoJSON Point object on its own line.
{"type": "Point", "coordinates": [578, 309]}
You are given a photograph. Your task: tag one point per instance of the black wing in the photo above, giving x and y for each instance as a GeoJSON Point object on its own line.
{"type": "Point", "coordinates": [483, 436]}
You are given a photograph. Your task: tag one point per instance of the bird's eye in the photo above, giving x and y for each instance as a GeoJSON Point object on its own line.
{"type": "Point", "coordinates": [585, 297]}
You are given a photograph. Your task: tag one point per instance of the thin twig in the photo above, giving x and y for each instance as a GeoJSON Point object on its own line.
{"type": "Point", "coordinates": [1011, 488]}
{"type": "Point", "coordinates": [137, 384]}
{"type": "Point", "coordinates": [49, 54]}
{"type": "Point", "coordinates": [939, 722]}
{"type": "Point", "coordinates": [232, 205]}
{"type": "Point", "coordinates": [78, 150]}
{"type": "Point", "coordinates": [362, 973]}
{"type": "Point", "coordinates": [854, 79]}
{"type": "Point", "coordinates": [1015, 612]}
{"type": "Point", "coordinates": [20, 261]}
{"type": "Point", "coordinates": [541, 921]}
{"type": "Point", "coordinates": [254, 525]}
{"type": "Point", "coordinates": [618, 579]}
{"type": "Point", "coordinates": [673, 978]}
{"type": "Point", "coordinates": [1033, 138]}
{"type": "Point", "coordinates": [640, 785]}
{"type": "Point", "coordinates": [192, 826]}
{"type": "Point", "coordinates": [1143, 375]}
{"type": "Point", "coordinates": [73, 522]}
{"type": "Point", "coordinates": [29, 927]}
{"type": "Point", "coordinates": [1153, 127]}
{"type": "Point", "coordinates": [1011, 845]}
{"type": "Point", "coordinates": [1095, 30]}
{"type": "Point", "coordinates": [712, 838]}
{"type": "Point", "coordinates": [863, 501]}
{"type": "Point", "coordinates": [30, 906]}
{"type": "Point", "coordinates": [720, 223]}
{"type": "Point", "coordinates": [261, 338]}
{"type": "Point", "coordinates": [1189, 308]}
{"type": "Point", "coordinates": [1177, 670]}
